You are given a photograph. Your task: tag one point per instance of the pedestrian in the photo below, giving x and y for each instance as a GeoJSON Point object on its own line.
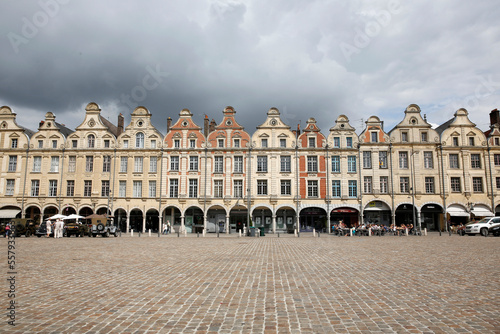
{"type": "Point", "coordinates": [56, 228]}
{"type": "Point", "coordinates": [48, 225]}
{"type": "Point", "coordinates": [164, 229]}
{"type": "Point", "coordinates": [168, 226]}
{"type": "Point", "coordinates": [7, 230]}
{"type": "Point", "coordinates": [61, 228]}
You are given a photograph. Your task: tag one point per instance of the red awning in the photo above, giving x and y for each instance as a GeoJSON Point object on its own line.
{"type": "Point", "coordinates": [344, 211]}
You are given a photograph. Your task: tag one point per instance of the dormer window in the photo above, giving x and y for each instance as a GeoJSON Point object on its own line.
{"type": "Point", "coordinates": [423, 137]}
{"type": "Point", "coordinates": [264, 142]}
{"type": "Point", "coordinates": [374, 137]}
{"type": "Point", "coordinates": [471, 141]}
{"type": "Point", "coordinates": [404, 136]}
{"type": "Point", "coordinates": [106, 143]}
{"type": "Point", "coordinates": [91, 141]}
{"type": "Point", "coordinates": [497, 141]}
{"type": "Point", "coordinates": [74, 143]}
{"type": "Point", "coordinates": [125, 143]}
{"type": "Point", "coordinates": [139, 140]}
{"type": "Point", "coordinates": [282, 142]}
{"type": "Point", "coordinates": [336, 142]}
{"type": "Point", "coordinates": [54, 144]}
{"type": "Point", "coordinates": [153, 143]}
{"type": "Point", "coordinates": [40, 144]}
{"type": "Point", "coordinates": [192, 143]}
{"type": "Point", "coordinates": [312, 142]}
{"type": "Point", "coordinates": [220, 143]}
{"type": "Point", "coordinates": [177, 143]}
{"type": "Point", "coordinates": [236, 143]}
{"type": "Point", "coordinates": [13, 143]}
{"type": "Point", "coordinates": [455, 141]}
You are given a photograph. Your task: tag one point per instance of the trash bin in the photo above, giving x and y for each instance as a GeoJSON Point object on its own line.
{"type": "Point", "coordinates": [251, 230]}
{"type": "Point", "coordinates": [262, 232]}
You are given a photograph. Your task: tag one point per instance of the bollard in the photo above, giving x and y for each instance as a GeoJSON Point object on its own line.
{"type": "Point", "coordinates": [131, 233]}
{"type": "Point", "coordinates": [278, 234]}
{"type": "Point", "coordinates": [149, 232]}
{"type": "Point", "coordinates": [319, 234]}
{"type": "Point", "coordinates": [370, 232]}
{"type": "Point", "coordinates": [178, 234]}
{"type": "Point", "coordinates": [244, 231]}
{"type": "Point", "coordinates": [406, 231]}
{"type": "Point", "coordinates": [139, 234]}
{"type": "Point", "coordinates": [295, 232]}
{"type": "Point", "coordinates": [239, 233]}
{"type": "Point", "coordinates": [350, 232]}
{"type": "Point", "coordinates": [203, 233]}
{"type": "Point", "coordinates": [197, 234]}
{"type": "Point", "coordinates": [425, 231]}
{"type": "Point", "coordinates": [120, 233]}
{"type": "Point", "coordinates": [314, 232]}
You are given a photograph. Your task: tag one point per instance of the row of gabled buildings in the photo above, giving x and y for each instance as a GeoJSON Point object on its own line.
{"type": "Point", "coordinates": [277, 178]}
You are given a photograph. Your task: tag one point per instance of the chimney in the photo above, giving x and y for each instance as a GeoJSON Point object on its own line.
{"type": "Point", "coordinates": [205, 126]}
{"type": "Point", "coordinates": [298, 129]}
{"type": "Point", "coordinates": [495, 117]}
{"type": "Point", "coordinates": [41, 123]}
{"type": "Point", "coordinates": [294, 133]}
{"type": "Point", "coordinates": [169, 124]}
{"type": "Point", "coordinates": [212, 126]}
{"type": "Point", "coordinates": [121, 122]}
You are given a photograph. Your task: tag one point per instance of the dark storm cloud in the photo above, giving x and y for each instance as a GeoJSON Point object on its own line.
{"type": "Point", "coordinates": [307, 58]}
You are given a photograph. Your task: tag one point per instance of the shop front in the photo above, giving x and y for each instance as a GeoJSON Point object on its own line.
{"type": "Point", "coordinates": [431, 217]}
{"type": "Point", "coordinates": [377, 212]}
{"type": "Point", "coordinates": [349, 216]}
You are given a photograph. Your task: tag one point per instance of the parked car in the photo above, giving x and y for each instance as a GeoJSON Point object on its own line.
{"type": "Point", "coordinates": [20, 226]}
{"type": "Point", "coordinates": [482, 226]}
{"type": "Point", "coordinates": [101, 225]}
{"type": "Point", "coordinates": [41, 231]}
{"type": "Point", "coordinates": [495, 230]}
{"type": "Point", "coordinates": [77, 229]}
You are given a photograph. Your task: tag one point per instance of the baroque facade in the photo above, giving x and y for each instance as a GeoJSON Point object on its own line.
{"type": "Point", "coordinates": [277, 178]}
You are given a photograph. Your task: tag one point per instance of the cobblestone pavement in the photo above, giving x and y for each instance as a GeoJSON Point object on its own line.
{"type": "Point", "coordinates": [428, 284]}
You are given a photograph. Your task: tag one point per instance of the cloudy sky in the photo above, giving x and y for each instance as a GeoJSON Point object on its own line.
{"type": "Point", "coordinates": [308, 58]}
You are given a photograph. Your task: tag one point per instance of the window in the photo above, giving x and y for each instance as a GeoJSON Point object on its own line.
{"type": "Point", "coordinates": [89, 164]}
{"type": "Point", "coordinates": [123, 164]}
{"type": "Point", "coordinates": [35, 188]}
{"type": "Point", "coordinates": [40, 144]}
{"type": "Point", "coordinates": [220, 143]}
{"type": "Point", "coordinates": [177, 143]}
{"type": "Point", "coordinates": [477, 184]}
{"type": "Point", "coordinates": [497, 141]}
{"type": "Point", "coordinates": [9, 190]}
{"type": "Point", "coordinates": [264, 142]}
{"type": "Point", "coordinates": [367, 159]}
{"type": "Point", "coordinates": [404, 136]}
{"type": "Point", "coordinates": [429, 185]}
{"type": "Point", "coordinates": [106, 164]}
{"type": "Point", "coordinates": [353, 188]}
{"type": "Point", "coordinates": [91, 141]}
{"type": "Point", "coordinates": [455, 141]}
{"type": "Point", "coordinates": [54, 164]}
{"type": "Point", "coordinates": [454, 161]}
{"type": "Point", "coordinates": [74, 143]}
{"type": "Point", "coordinates": [152, 189]}
{"type": "Point", "coordinates": [312, 188]}
{"type": "Point", "coordinates": [404, 184]}
{"type": "Point", "coordinates": [70, 188]}
{"type": "Point", "coordinates": [261, 187]}
{"type": "Point", "coordinates": [12, 163]}
{"type": "Point", "coordinates": [193, 163]}
{"type": "Point", "coordinates": [382, 159]}
{"type": "Point", "coordinates": [384, 184]}
{"type": "Point", "coordinates": [286, 187]}
{"type": "Point", "coordinates": [262, 164]}
{"type": "Point", "coordinates": [238, 164]}
{"type": "Point", "coordinates": [471, 141]}
{"type": "Point", "coordinates": [174, 188]}
{"type": "Point", "coordinates": [428, 160]}
{"type": "Point", "coordinates": [236, 143]}
{"type": "Point", "coordinates": [71, 164]}
{"type": "Point", "coordinates": [348, 142]}
{"type": "Point", "coordinates": [312, 142]}
{"type": "Point", "coordinates": [498, 182]}
{"type": "Point", "coordinates": [174, 163]}
{"type": "Point", "coordinates": [106, 143]}
{"type": "Point", "coordinates": [282, 142]}
{"type": "Point", "coordinates": [335, 164]}
{"type": "Point", "coordinates": [153, 143]}
{"type": "Point", "coordinates": [139, 140]}
{"type": "Point", "coordinates": [218, 188]}
{"type": "Point", "coordinates": [336, 188]}
{"type": "Point", "coordinates": [125, 143]}
{"type": "Point", "coordinates": [193, 188]}
{"type": "Point", "coordinates": [238, 188]}
{"type": "Point", "coordinates": [496, 159]}
{"type": "Point", "coordinates": [403, 160]}
{"type": "Point", "coordinates": [153, 164]}
{"type": "Point", "coordinates": [138, 162]}
{"type": "Point", "coordinates": [54, 144]}
{"type": "Point", "coordinates": [192, 143]}
{"type": "Point", "coordinates": [374, 137]}
{"type": "Point", "coordinates": [13, 143]}
{"type": "Point", "coordinates": [285, 164]}
{"type": "Point", "coordinates": [122, 189]}
{"type": "Point", "coordinates": [475, 161]}
{"type": "Point", "coordinates": [312, 164]}
{"type": "Point", "coordinates": [336, 142]}
{"type": "Point", "coordinates": [351, 164]}
{"type": "Point", "coordinates": [105, 188]}
{"type": "Point", "coordinates": [37, 164]}
{"type": "Point", "coordinates": [423, 137]}
{"type": "Point", "coordinates": [219, 164]}
{"type": "Point", "coordinates": [455, 185]}
{"type": "Point", "coordinates": [137, 189]}
{"type": "Point", "coordinates": [87, 188]}
{"type": "Point", "coordinates": [367, 185]}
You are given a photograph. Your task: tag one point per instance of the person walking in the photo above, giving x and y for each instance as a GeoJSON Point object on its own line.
{"type": "Point", "coordinates": [48, 225]}
{"type": "Point", "coordinates": [168, 226]}
{"type": "Point", "coordinates": [56, 228]}
{"type": "Point", "coordinates": [7, 230]}
{"type": "Point", "coordinates": [61, 228]}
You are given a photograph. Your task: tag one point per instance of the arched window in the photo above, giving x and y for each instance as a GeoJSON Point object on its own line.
{"type": "Point", "coordinates": [139, 140]}
{"type": "Point", "coordinates": [91, 141]}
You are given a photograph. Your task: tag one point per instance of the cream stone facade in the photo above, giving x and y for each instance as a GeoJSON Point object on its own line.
{"type": "Point", "coordinates": [276, 178]}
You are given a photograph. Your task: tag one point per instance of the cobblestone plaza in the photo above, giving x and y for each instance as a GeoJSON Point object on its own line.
{"type": "Point", "coordinates": [271, 284]}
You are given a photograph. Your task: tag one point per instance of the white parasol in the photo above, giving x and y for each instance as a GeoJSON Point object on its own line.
{"type": "Point", "coordinates": [73, 216]}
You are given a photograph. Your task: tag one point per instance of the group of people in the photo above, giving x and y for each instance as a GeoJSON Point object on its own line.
{"type": "Point", "coordinates": [343, 229]}
{"type": "Point", "coordinates": [57, 227]}
{"type": "Point", "coordinates": [166, 227]}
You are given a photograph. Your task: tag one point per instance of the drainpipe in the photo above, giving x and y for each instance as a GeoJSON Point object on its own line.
{"type": "Point", "coordinates": [160, 216]}
{"type": "Point", "coordinates": [61, 179]}
{"type": "Point", "coordinates": [23, 215]}
{"type": "Point", "coordinates": [205, 189]}
{"type": "Point", "coordinates": [297, 223]}
{"type": "Point", "coordinates": [327, 192]}
{"type": "Point", "coordinates": [249, 184]}
{"type": "Point", "coordinates": [113, 186]}
{"type": "Point", "coordinates": [360, 187]}
{"type": "Point", "coordinates": [491, 175]}
{"type": "Point", "coordinates": [393, 209]}
{"type": "Point", "coordinates": [444, 189]}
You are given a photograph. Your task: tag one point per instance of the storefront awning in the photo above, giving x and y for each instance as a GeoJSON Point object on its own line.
{"type": "Point", "coordinates": [457, 212]}
{"type": "Point", "coordinates": [9, 213]}
{"type": "Point", "coordinates": [344, 210]}
{"type": "Point", "coordinates": [482, 212]}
